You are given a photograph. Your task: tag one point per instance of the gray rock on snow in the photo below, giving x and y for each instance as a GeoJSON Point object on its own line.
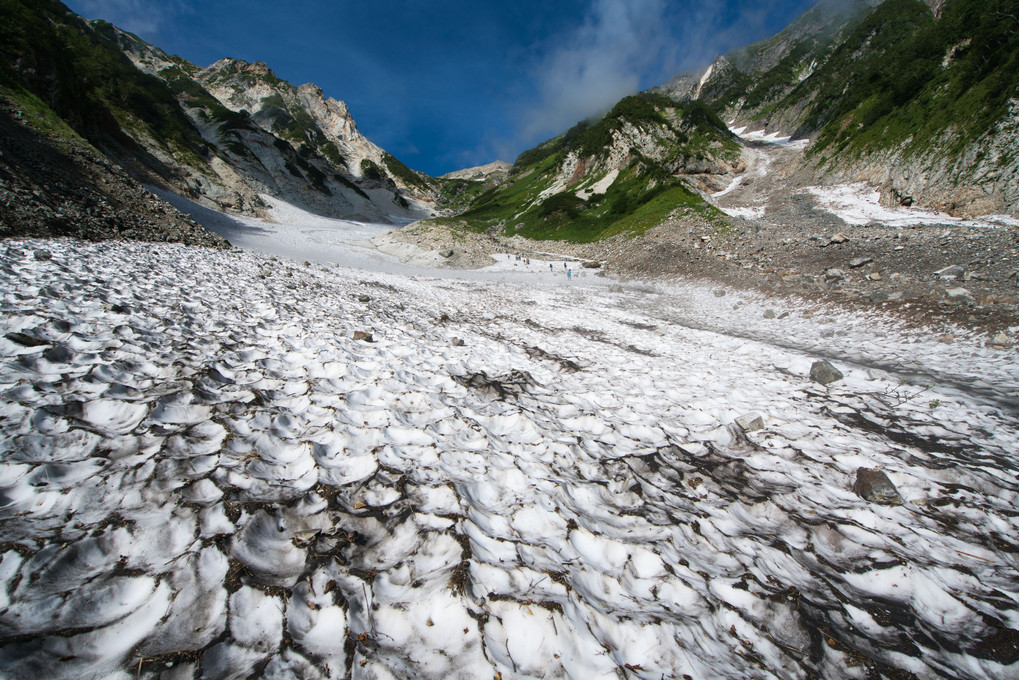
{"type": "Point", "coordinates": [873, 485]}
{"type": "Point", "coordinates": [824, 373]}
{"type": "Point", "coordinates": [750, 422]}
{"type": "Point", "coordinates": [1000, 341]}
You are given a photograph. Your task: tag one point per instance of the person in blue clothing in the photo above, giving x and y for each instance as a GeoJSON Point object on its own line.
{"type": "Point", "coordinates": [569, 274]}
{"type": "Point", "coordinates": [550, 266]}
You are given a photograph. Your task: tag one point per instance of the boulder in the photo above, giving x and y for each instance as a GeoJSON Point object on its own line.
{"type": "Point", "coordinates": [363, 335]}
{"type": "Point", "coordinates": [950, 273]}
{"type": "Point", "coordinates": [824, 373]}
{"type": "Point", "coordinates": [858, 262]}
{"type": "Point", "coordinates": [958, 294]}
{"type": "Point", "coordinates": [1000, 341]}
{"type": "Point", "coordinates": [750, 422]}
{"type": "Point", "coordinates": [873, 485]}
{"type": "Point", "coordinates": [769, 314]}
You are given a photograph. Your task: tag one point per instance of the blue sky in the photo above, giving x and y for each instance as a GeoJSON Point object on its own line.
{"type": "Point", "coordinates": [449, 84]}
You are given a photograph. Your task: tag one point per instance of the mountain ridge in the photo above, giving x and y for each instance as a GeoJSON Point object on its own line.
{"type": "Point", "coordinates": [895, 93]}
{"type": "Point", "coordinates": [151, 113]}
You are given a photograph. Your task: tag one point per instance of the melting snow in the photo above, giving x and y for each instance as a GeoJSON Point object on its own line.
{"type": "Point", "coordinates": [599, 187]}
{"type": "Point", "coordinates": [860, 204]}
{"type": "Point", "coordinates": [206, 473]}
{"type": "Point", "coordinates": [749, 212]}
{"type": "Point", "coordinates": [774, 138]}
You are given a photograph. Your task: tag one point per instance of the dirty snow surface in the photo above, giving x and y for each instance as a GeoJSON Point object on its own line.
{"type": "Point", "coordinates": [223, 465]}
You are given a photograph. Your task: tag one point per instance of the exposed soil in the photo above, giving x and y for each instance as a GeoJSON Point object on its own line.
{"type": "Point", "coordinates": [51, 188]}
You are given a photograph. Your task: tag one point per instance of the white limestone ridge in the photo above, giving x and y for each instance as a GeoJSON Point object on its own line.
{"type": "Point", "coordinates": [258, 154]}
{"type": "Point", "coordinates": [481, 172]}
{"type": "Point", "coordinates": [253, 87]}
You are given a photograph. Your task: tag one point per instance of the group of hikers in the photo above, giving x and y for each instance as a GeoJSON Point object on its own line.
{"type": "Point", "coordinates": [551, 267]}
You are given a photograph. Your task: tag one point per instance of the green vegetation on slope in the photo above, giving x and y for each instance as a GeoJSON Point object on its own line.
{"type": "Point", "coordinates": [644, 192]}
{"type": "Point", "coordinates": [897, 78]}
{"type": "Point", "coordinates": [766, 71]}
{"type": "Point", "coordinates": [83, 77]}
{"type": "Point", "coordinates": [403, 173]}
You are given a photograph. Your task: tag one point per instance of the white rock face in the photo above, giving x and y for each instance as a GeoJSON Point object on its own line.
{"type": "Point", "coordinates": [250, 160]}
{"type": "Point", "coordinates": [252, 87]}
{"type": "Point", "coordinates": [497, 169]}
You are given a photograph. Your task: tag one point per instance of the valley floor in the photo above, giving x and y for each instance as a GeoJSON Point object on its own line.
{"type": "Point", "coordinates": [222, 464]}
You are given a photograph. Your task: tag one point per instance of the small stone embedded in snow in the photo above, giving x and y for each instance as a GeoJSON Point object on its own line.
{"type": "Point", "coordinates": [874, 486]}
{"type": "Point", "coordinates": [824, 373]}
{"type": "Point", "coordinates": [1001, 341]}
{"type": "Point", "coordinates": [750, 422]}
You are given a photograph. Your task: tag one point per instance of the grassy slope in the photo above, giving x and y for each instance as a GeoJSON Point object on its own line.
{"type": "Point", "coordinates": [644, 193]}
{"type": "Point", "coordinates": [896, 78]}
{"type": "Point", "coordinates": [920, 78]}
{"type": "Point", "coordinates": [754, 87]}
{"type": "Point", "coordinates": [82, 76]}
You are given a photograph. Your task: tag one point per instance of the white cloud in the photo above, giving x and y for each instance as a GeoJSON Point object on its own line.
{"type": "Point", "coordinates": [142, 17]}
{"type": "Point", "coordinates": [603, 60]}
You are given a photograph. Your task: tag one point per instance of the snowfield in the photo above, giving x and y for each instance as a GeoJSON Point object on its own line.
{"type": "Point", "coordinates": [227, 465]}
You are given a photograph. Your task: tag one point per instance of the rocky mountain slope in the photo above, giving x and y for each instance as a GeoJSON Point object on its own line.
{"type": "Point", "coordinates": [496, 171]}
{"type": "Point", "coordinates": [920, 99]}
{"type": "Point", "coordinates": [64, 187]}
{"type": "Point", "coordinates": [641, 162]}
{"type": "Point", "coordinates": [221, 135]}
